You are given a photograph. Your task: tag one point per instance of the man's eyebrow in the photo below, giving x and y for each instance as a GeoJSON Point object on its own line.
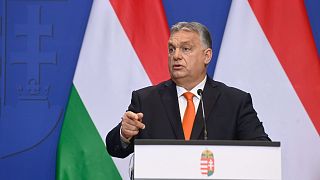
{"type": "Point", "coordinates": [182, 43]}
{"type": "Point", "coordinates": [186, 43]}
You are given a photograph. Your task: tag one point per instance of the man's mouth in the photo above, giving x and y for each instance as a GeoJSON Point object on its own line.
{"type": "Point", "coordinates": [177, 67]}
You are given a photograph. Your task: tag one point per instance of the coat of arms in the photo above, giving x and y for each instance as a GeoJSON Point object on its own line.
{"type": "Point", "coordinates": [207, 163]}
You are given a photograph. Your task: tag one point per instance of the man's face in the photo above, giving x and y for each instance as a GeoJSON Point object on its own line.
{"type": "Point", "coordinates": [187, 58]}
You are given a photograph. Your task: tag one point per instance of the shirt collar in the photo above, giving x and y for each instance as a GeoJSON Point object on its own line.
{"type": "Point", "coordinates": [181, 90]}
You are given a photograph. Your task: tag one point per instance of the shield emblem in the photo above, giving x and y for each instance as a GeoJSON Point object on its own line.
{"type": "Point", "coordinates": [207, 163]}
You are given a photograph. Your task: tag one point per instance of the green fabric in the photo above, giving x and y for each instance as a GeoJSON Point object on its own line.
{"type": "Point", "coordinates": [81, 152]}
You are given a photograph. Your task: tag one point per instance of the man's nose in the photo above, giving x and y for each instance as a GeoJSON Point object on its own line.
{"type": "Point", "coordinates": [177, 54]}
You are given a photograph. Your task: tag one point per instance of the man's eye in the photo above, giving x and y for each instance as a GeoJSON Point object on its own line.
{"type": "Point", "coordinates": [171, 50]}
{"type": "Point", "coordinates": [186, 49]}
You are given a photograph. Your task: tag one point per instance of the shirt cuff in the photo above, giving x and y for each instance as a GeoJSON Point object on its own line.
{"type": "Point", "coordinates": [124, 141]}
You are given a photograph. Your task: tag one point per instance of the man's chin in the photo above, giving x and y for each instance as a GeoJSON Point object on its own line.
{"type": "Point", "coordinates": [177, 76]}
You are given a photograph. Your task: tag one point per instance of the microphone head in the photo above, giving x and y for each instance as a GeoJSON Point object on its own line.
{"type": "Point", "coordinates": [199, 91]}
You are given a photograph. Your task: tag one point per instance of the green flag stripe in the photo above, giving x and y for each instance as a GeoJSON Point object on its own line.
{"type": "Point", "coordinates": [81, 151]}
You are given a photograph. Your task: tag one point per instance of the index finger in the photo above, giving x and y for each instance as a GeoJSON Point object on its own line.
{"type": "Point", "coordinates": [132, 115]}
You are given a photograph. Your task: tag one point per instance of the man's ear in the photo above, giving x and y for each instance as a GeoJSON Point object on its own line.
{"type": "Point", "coordinates": [208, 55]}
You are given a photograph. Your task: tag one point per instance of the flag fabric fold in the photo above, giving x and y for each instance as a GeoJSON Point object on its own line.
{"type": "Point", "coordinates": [113, 62]}
{"type": "Point", "coordinates": [268, 50]}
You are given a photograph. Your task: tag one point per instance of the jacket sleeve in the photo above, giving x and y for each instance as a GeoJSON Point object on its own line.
{"type": "Point", "coordinates": [249, 126]}
{"type": "Point", "coordinates": [113, 142]}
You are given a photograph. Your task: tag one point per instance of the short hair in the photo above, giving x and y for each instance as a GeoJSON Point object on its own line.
{"type": "Point", "coordinates": [200, 29]}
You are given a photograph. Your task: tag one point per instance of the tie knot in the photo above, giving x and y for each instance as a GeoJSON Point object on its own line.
{"type": "Point", "coordinates": [188, 95]}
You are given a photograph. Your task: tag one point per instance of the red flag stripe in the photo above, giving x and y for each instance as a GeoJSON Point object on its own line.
{"type": "Point", "coordinates": [287, 28]}
{"type": "Point", "coordinates": [145, 24]}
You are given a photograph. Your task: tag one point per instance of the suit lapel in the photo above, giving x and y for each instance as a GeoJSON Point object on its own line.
{"type": "Point", "coordinates": [168, 94]}
{"type": "Point", "coordinates": [198, 124]}
{"type": "Point", "coordinates": [210, 96]}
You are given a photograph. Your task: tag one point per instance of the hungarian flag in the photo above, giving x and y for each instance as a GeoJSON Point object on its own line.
{"type": "Point", "coordinates": [124, 48]}
{"type": "Point", "coordinates": [267, 50]}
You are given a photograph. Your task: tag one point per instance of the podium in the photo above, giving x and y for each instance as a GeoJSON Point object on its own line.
{"type": "Point", "coordinates": [199, 159]}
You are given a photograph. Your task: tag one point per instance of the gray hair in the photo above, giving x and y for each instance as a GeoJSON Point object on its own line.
{"type": "Point", "coordinates": [200, 29]}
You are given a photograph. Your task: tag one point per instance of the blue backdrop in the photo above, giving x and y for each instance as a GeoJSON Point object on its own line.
{"type": "Point", "coordinates": [40, 44]}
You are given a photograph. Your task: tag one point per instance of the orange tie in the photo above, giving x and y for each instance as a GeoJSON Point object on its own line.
{"type": "Point", "coordinates": [189, 115]}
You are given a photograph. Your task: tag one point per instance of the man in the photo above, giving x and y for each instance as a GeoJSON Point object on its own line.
{"type": "Point", "coordinates": [171, 110]}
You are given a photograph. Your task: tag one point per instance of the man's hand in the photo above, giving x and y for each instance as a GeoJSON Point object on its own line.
{"type": "Point", "coordinates": [130, 124]}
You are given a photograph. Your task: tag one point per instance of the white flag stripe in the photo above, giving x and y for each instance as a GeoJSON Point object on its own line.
{"type": "Point", "coordinates": [248, 62]}
{"type": "Point", "coordinates": [106, 91]}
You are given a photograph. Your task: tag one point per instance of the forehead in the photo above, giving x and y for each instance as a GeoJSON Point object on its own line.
{"type": "Point", "coordinates": [183, 36]}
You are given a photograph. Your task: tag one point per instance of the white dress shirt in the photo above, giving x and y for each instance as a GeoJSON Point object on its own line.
{"type": "Point", "coordinates": [182, 105]}
{"type": "Point", "coordinates": [196, 98]}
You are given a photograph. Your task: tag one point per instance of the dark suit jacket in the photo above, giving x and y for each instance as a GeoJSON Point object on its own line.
{"type": "Point", "coordinates": [229, 116]}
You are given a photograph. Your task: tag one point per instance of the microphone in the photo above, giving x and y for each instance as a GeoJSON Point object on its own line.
{"type": "Point", "coordinates": [205, 135]}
